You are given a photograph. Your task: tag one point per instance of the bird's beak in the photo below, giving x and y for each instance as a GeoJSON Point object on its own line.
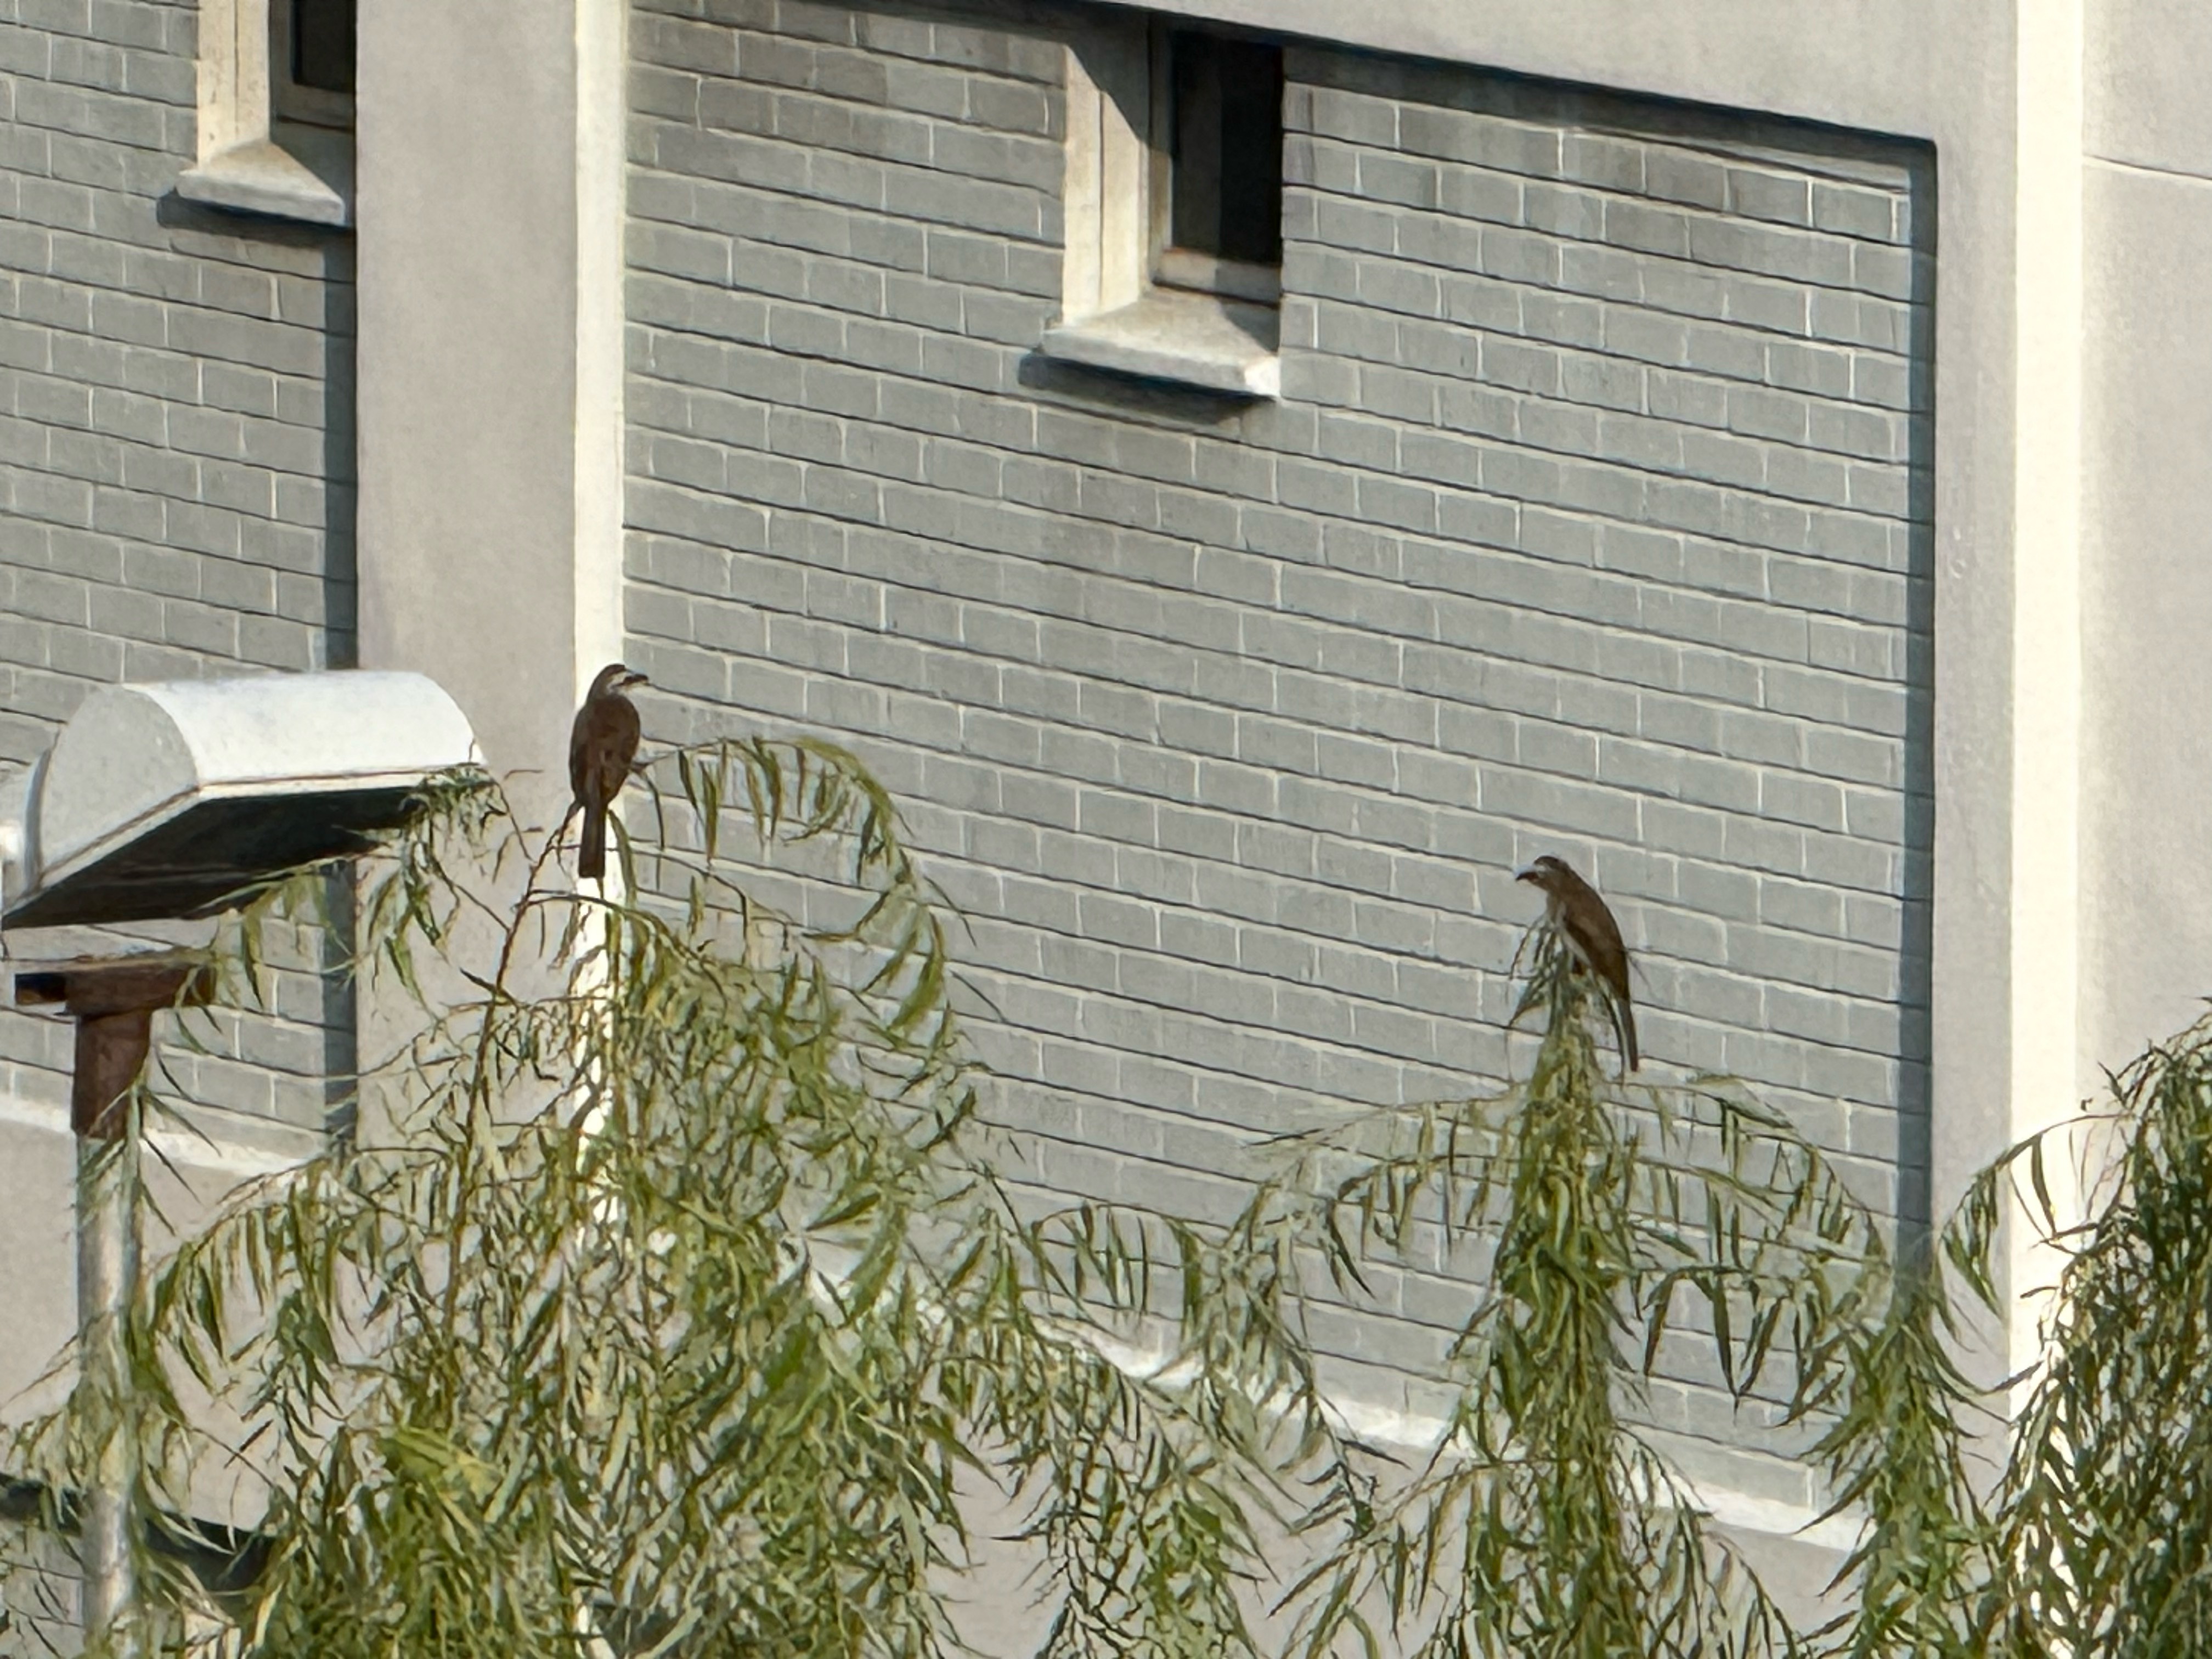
{"type": "Point", "coordinates": [635, 678]}
{"type": "Point", "coordinates": [1526, 872]}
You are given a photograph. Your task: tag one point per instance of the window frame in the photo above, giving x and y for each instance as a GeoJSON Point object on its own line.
{"type": "Point", "coordinates": [1170, 264]}
{"type": "Point", "coordinates": [255, 155]}
{"type": "Point", "coordinates": [290, 100]}
{"type": "Point", "coordinates": [1129, 303]}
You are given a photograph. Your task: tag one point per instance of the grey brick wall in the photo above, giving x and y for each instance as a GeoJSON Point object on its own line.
{"type": "Point", "coordinates": [176, 448]}
{"type": "Point", "coordinates": [1591, 519]}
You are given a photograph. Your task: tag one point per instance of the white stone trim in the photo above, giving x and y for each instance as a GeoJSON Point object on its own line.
{"type": "Point", "coordinates": [2046, 625]}
{"type": "Point", "coordinates": [250, 160]}
{"type": "Point", "coordinates": [1194, 339]}
{"type": "Point", "coordinates": [308, 176]}
{"type": "Point", "coordinates": [602, 58]}
{"type": "Point", "coordinates": [1109, 163]}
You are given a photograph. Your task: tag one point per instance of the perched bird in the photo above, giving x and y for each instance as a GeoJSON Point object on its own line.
{"type": "Point", "coordinates": [1592, 937]}
{"type": "Point", "coordinates": [602, 744]}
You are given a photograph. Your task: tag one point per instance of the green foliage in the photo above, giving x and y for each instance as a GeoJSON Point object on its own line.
{"type": "Point", "coordinates": [2103, 1524]}
{"type": "Point", "coordinates": [661, 1310]}
{"type": "Point", "coordinates": [667, 1304]}
{"type": "Point", "coordinates": [1545, 1521]}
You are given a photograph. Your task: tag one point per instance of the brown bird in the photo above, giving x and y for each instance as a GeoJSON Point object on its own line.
{"type": "Point", "coordinates": [602, 744]}
{"type": "Point", "coordinates": [1592, 937]}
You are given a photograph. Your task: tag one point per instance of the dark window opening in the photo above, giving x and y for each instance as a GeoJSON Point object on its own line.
{"type": "Point", "coordinates": [322, 44]}
{"type": "Point", "coordinates": [1226, 192]}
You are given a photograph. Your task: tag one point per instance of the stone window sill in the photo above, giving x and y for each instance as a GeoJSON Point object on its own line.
{"type": "Point", "coordinates": [1177, 335]}
{"type": "Point", "coordinates": [304, 173]}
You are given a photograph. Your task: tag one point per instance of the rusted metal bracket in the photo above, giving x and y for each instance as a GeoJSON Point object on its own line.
{"type": "Point", "coordinates": [113, 1000]}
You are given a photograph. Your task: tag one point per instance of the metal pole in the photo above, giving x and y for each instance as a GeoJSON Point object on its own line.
{"type": "Point", "coordinates": [106, 1277]}
{"type": "Point", "coordinates": [113, 1001]}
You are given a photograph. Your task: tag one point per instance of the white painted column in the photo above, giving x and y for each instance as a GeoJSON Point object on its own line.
{"type": "Point", "coordinates": [2045, 972]}
{"type": "Point", "coordinates": [602, 104]}
{"type": "Point", "coordinates": [488, 215]}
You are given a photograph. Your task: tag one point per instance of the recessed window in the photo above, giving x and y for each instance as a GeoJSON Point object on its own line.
{"type": "Point", "coordinates": [1174, 206]}
{"type": "Point", "coordinates": [1222, 144]}
{"type": "Point", "coordinates": [275, 109]}
{"type": "Point", "coordinates": [311, 60]}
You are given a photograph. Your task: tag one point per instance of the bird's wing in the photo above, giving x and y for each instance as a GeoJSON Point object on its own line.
{"type": "Point", "coordinates": [579, 751]}
{"type": "Point", "coordinates": [1606, 945]}
{"type": "Point", "coordinates": [613, 747]}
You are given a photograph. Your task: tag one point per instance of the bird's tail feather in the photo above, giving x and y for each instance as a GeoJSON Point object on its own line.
{"type": "Point", "coordinates": [592, 844]}
{"type": "Point", "coordinates": [1622, 1016]}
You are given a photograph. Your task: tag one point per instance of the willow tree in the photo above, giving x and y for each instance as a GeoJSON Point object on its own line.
{"type": "Point", "coordinates": [663, 1302]}
{"type": "Point", "coordinates": [669, 1302]}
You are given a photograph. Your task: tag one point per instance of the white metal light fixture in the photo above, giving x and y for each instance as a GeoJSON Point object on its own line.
{"type": "Point", "coordinates": [172, 799]}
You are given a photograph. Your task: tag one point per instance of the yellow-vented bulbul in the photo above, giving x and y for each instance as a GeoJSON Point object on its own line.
{"type": "Point", "coordinates": [1592, 937]}
{"type": "Point", "coordinates": [602, 746]}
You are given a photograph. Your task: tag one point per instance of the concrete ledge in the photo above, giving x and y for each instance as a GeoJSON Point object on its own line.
{"type": "Point", "coordinates": [304, 173]}
{"type": "Point", "coordinates": [1189, 338]}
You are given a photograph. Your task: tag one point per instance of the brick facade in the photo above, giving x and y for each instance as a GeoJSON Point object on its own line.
{"type": "Point", "coordinates": [1592, 518]}
{"type": "Point", "coordinates": [176, 452]}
